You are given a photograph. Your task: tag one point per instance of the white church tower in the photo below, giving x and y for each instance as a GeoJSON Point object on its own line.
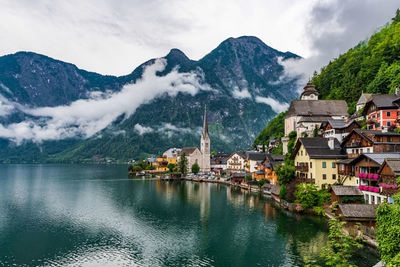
{"type": "Point", "coordinates": [205, 146]}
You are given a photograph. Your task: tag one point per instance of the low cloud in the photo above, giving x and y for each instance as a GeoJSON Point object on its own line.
{"type": "Point", "coordinates": [141, 130]}
{"type": "Point", "coordinates": [275, 105]}
{"type": "Point", "coordinates": [86, 117]}
{"type": "Point", "coordinates": [241, 94]}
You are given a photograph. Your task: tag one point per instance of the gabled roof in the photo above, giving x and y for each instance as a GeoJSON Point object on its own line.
{"type": "Point", "coordinates": [393, 164]}
{"type": "Point", "coordinates": [172, 152]}
{"type": "Point", "coordinates": [378, 158]}
{"type": "Point", "coordinates": [252, 155]}
{"type": "Point", "coordinates": [318, 148]}
{"type": "Point", "coordinates": [358, 211]}
{"type": "Point", "coordinates": [341, 190]}
{"type": "Point", "coordinates": [364, 98]}
{"type": "Point", "coordinates": [339, 124]}
{"type": "Point", "coordinates": [188, 150]}
{"type": "Point", "coordinates": [241, 154]}
{"type": "Point", "coordinates": [273, 161]}
{"type": "Point", "coordinates": [317, 108]}
{"type": "Point", "coordinates": [368, 135]}
{"type": "Point", "coordinates": [382, 102]}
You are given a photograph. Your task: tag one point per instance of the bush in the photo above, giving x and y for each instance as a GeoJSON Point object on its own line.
{"type": "Point", "coordinates": [307, 195]}
{"type": "Point", "coordinates": [282, 192]}
{"type": "Point", "coordinates": [195, 168]}
{"type": "Point", "coordinates": [285, 173]}
{"type": "Point", "coordinates": [248, 178]}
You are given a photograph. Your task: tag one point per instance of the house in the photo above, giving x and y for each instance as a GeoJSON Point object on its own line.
{"type": "Point", "coordinates": [382, 111]}
{"type": "Point", "coordinates": [315, 160]}
{"type": "Point", "coordinates": [219, 162]}
{"type": "Point", "coordinates": [388, 175]}
{"type": "Point", "coordinates": [364, 98]}
{"type": "Point", "coordinates": [238, 177]}
{"type": "Point", "coordinates": [268, 167]}
{"type": "Point", "coordinates": [365, 171]}
{"type": "Point", "coordinates": [358, 213]}
{"type": "Point", "coordinates": [309, 112]}
{"type": "Point", "coordinates": [236, 162]}
{"type": "Point", "coordinates": [254, 158]}
{"type": "Point", "coordinates": [346, 194]}
{"type": "Point", "coordinates": [172, 155]}
{"type": "Point", "coordinates": [338, 129]}
{"type": "Point", "coordinates": [370, 141]}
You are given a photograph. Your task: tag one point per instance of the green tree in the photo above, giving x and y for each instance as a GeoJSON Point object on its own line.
{"type": "Point", "coordinates": [283, 192]}
{"type": "Point", "coordinates": [171, 167]}
{"type": "Point", "coordinates": [388, 232]}
{"type": "Point", "coordinates": [315, 131]}
{"type": "Point", "coordinates": [285, 173]}
{"type": "Point", "coordinates": [341, 246]}
{"type": "Point", "coordinates": [195, 168]}
{"type": "Point", "coordinates": [306, 194]}
{"type": "Point", "coordinates": [248, 178]}
{"type": "Point", "coordinates": [213, 153]}
{"type": "Point", "coordinates": [183, 164]}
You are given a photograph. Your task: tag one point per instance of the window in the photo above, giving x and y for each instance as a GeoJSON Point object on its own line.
{"type": "Point", "coordinates": [372, 199]}
{"type": "Point", "coordinates": [324, 164]}
{"type": "Point", "coordinates": [310, 165]}
{"type": "Point", "coordinates": [342, 167]}
{"type": "Point", "coordinates": [323, 176]}
{"type": "Point", "coordinates": [333, 165]}
{"type": "Point", "coordinates": [310, 175]}
{"type": "Point", "coordinates": [378, 115]}
{"type": "Point", "coordinates": [368, 150]}
{"type": "Point", "coordinates": [378, 200]}
{"type": "Point", "coordinates": [333, 176]}
{"type": "Point", "coordinates": [388, 114]}
{"type": "Point", "coordinates": [377, 125]}
{"type": "Point", "coordinates": [388, 123]}
{"type": "Point", "coordinates": [323, 186]}
{"type": "Point", "coordinates": [357, 181]}
{"type": "Point", "coordinates": [301, 152]}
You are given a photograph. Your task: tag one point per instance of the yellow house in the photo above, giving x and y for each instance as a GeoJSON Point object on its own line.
{"type": "Point", "coordinates": [315, 160]}
{"type": "Point", "coordinates": [161, 164]}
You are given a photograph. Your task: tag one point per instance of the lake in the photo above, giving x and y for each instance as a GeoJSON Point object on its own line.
{"type": "Point", "coordinates": [95, 215]}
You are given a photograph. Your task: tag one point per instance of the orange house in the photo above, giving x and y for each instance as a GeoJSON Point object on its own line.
{"type": "Point", "coordinates": [266, 168]}
{"type": "Point", "coordinates": [382, 111]}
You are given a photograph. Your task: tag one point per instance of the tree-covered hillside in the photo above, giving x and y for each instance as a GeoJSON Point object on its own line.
{"type": "Point", "coordinates": [372, 66]}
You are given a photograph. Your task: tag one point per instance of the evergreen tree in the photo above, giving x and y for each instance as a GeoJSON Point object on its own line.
{"type": "Point", "coordinates": [183, 162]}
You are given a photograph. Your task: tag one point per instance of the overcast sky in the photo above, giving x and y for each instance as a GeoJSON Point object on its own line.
{"type": "Point", "coordinates": [115, 36]}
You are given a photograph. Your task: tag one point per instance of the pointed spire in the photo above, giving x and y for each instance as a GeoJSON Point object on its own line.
{"type": "Point", "coordinates": [205, 124]}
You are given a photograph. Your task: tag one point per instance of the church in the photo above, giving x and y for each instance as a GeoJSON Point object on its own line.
{"type": "Point", "coordinates": [202, 156]}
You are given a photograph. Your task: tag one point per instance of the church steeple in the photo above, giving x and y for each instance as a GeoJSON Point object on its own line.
{"type": "Point", "coordinates": [205, 124]}
{"type": "Point", "coordinates": [205, 145]}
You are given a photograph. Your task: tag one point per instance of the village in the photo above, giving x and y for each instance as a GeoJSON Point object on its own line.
{"type": "Point", "coordinates": [351, 160]}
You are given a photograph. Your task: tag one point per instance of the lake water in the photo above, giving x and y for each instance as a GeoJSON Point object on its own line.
{"type": "Point", "coordinates": [91, 215]}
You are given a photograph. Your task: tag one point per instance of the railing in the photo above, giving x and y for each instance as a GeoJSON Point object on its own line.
{"type": "Point", "coordinates": [303, 168]}
{"type": "Point", "coordinates": [389, 179]}
{"type": "Point", "coordinates": [354, 144]}
{"type": "Point", "coordinates": [305, 180]}
{"type": "Point", "coordinates": [369, 188]}
{"type": "Point", "coordinates": [346, 172]}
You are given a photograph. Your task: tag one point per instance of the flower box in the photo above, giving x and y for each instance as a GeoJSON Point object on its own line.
{"type": "Point", "coordinates": [376, 176]}
{"type": "Point", "coordinates": [364, 175]}
{"type": "Point", "coordinates": [369, 176]}
{"type": "Point", "coordinates": [360, 175]}
{"type": "Point", "coordinates": [376, 190]}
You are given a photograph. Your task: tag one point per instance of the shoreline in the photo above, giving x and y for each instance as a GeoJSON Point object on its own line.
{"type": "Point", "coordinates": [280, 202]}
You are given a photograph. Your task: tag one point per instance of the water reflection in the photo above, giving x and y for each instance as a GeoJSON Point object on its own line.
{"type": "Point", "coordinates": [94, 215]}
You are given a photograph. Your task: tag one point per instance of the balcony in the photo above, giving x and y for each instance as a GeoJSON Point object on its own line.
{"type": "Point", "coordinates": [305, 180]}
{"type": "Point", "coordinates": [371, 121]}
{"type": "Point", "coordinates": [389, 179]}
{"type": "Point", "coordinates": [369, 188]}
{"type": "Point", "coordinates": [354, 144]}
{"type": "Point", "coordinates": [371, 176]}
{"type": "Point", "coordinates": [303, 168]}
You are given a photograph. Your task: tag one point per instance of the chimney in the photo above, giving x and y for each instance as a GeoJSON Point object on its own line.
{"type": "Point", "coordinates": [397, 91]}
{"type": "Point", "coordinates": [331, 143]}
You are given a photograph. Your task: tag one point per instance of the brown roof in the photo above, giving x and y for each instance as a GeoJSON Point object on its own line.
{"type": "Point", "coordinates": [341, 190]}
{"type": "Point", "coordinates": [275, 189]}
{"type": "Point", "coordinates": [317, 108]}
{"type": "Point", "coordinates": [358, 211]}
{"type": "Point", "coordinates": [394, 165]}
{"type": "Point", "coordinates": [188, 150]}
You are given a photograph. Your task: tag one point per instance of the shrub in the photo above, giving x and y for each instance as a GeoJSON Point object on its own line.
{"type": "Point", "coordinates": [282, 192]}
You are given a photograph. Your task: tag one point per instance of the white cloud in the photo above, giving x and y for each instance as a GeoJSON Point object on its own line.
{"type": "Point", "coordinates": [275, 105]}
{"type": "Point", "coordinates": [86, 117]}
{"type": "Point", "coordinates": [6, 107]}
{"type": "Point", "coordinates": [141, 130]}
{"type": "Point", "coordinates": [244, 93]}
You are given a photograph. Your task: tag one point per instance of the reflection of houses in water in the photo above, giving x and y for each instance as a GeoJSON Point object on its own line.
{"type": "Point", "coordinates": [269, 210]}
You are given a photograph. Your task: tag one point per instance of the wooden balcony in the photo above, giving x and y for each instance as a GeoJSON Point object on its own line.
{"type": "Point", "coordinates": [354, 144]}
{"type": "Point", "coordinates": [303, 168]}
{"type": "Point", "coordinates": [388, 179]}
{"type": "Point", "coordinates": [305, 180]}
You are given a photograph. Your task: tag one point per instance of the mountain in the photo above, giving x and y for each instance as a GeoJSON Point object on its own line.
{"type": "Point", "coordinates": [238, 71]}
{"type": "Point", "coordinates": [372, 66]}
